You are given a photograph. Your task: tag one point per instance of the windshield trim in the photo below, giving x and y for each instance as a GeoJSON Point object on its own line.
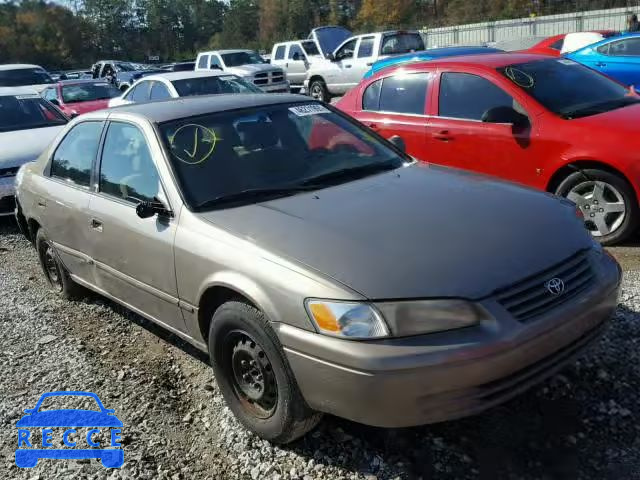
{"type": "Point", "coordinates": [407, 159]}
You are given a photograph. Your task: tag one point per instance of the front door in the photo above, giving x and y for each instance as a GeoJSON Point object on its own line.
{"type": "Point", "coordinates": [343, 80]}
{"type": "Point", "coordinates": [457, 136]}
{"type": "Point", "coordinates": [134, 256]}
{"type": "Point", "coordinates": [363, 59]}
{"type": "Point", "coordinates": [296, 65]}
{"type": "Point", "coordinates": [396, 106]}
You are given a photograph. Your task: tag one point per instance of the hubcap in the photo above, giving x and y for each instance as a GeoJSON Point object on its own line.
{"type": "Point", "coordinates": [601, 204]}
{"type": "Point", "coordinates": [253, 379]}
{"type": "Point", "coordinates": [51, 267]}
{"type": "Point", "coordinates": [316, 92]}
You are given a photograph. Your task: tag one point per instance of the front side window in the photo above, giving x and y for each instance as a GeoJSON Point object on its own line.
{"type": "Point", "coordinates": [467, 96]}
{"type": "Point", "coordinates": [213, 85]}
{"type": "Point", "coordinates": [50, 94]}
{"type": "Point", "coordinates": [280, 52]}
{"type": "Point", "coordinates": [404, 93]}
{"type": "Point", "coordinates": [127, 171]}
{"type": "Point", "coordinates": [216, 64]}
{"type": "Point", "coordinates": [159, 92]}
{"type": "Point", "coordinates": [296, 53]}
{"type": "Point", "coordinates": [73, 159]}
{"type": "Point", "coordinates": [568, 88]}
{"type": "Point", "coordinates": [86, 92]}
{"type": "Point", "coordinates": [237, 59]}
{"type": "Point", "coordinates": [250, 155]}
{"type": "Point", "coordinates": [401, 43]}
{"type": "Point", "coordinates": [24, 76]}
{"type": "Point", "coordinates": [203, 61]}
{"type": "Point", "coordinates": [365, 49]}
{"type": "Point", "coordinates": [346, 51]}
{"type": "Point", "coordinates": [21, 112]}
{"type": "Point", "coordinates": [629, 47]}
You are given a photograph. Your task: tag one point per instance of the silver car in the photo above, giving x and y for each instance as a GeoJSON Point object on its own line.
{"type": "Point", "coordinates": [321, 268]}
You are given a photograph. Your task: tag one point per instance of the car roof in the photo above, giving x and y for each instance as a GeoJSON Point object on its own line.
{"type": "Point", "coordinates": [490, 60]}
{"type": "Point", "coordinates": [18, 66]}
{"type": "Point", "coordinates": [237, 50]}
{"type": "Point", "coordinates": [11, 91]}
{"type": "Point", "coordinates": [185, 107]}
{"type": "Point", "coordinates": [605, 40]}
{"type": "Point", "coordinates": [172, 76]}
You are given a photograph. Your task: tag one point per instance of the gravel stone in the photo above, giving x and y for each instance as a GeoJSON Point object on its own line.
{"type": "Point", "coordinates": [582, 423]}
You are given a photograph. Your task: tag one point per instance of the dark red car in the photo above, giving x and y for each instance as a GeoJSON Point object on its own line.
{"type": "Point", "coordinates": [553, 45]}
{"type": "Point", "coordinates": [75, 97]}
{"type": "Point", "coordinates": [546, 122]}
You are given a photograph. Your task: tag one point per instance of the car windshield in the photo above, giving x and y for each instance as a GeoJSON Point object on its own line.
{"type": "Point", "coordinates": [568, 88]}
{"type": "Point", "coordinates": [24, 76]}
{"type": "Point", "coordinates": [86, 92]}
{"type": "Point", "coordinates": [246, 156]}
{"type": "Point", "coordinates": [213, 85]}
{"type": "Point", "coordinates": [241, 58]}
{"type": "Point", "coordinates": [310, 47]}
{"type": "Point", "coordinates": [21, 112]}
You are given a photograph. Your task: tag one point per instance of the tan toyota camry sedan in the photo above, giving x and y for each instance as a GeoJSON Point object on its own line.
{"type": "Point", "coordinates": [321, 268]}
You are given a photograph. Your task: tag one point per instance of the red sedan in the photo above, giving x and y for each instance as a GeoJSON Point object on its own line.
{"type": "Point", "coordinates": [549, 123]}
{"type": "Point", "coordinates": [553, 45]}
{"type": "Point", "coordinates": [75, 97]}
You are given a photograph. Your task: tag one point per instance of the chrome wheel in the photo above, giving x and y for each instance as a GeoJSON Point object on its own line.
{"type": "Point", "coordinates": [602, 205]}
{"type": "Point", "coordinates": [317, 91]}
{"type": "Point", "coordinates": [51, 267]}
{"type": "Point", "coordinates": [254, 381]}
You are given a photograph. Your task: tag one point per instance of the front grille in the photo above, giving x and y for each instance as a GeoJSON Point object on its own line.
{"type": "Point", "coordinates": [9, 172]}
{"type": "Point", "coordinates": [531, 297]}
{"type": "Point", "coordinates": [277, 77]}
{"type": "Point", "coordinates": [268, 78]}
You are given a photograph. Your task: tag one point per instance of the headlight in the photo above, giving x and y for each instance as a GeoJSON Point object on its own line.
{"type": "Point", "coordinates": [426, 316]}
{"type": "Point", "coordinates": [346, 319]}
{"type": "Point", "coordinates": [20, 175]}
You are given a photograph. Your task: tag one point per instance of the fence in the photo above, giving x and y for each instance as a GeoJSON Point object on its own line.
{"type": "Point", "coordinates": [504, 31]}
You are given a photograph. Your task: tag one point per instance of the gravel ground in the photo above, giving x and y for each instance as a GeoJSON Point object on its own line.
{"type": "Point", "coordinates": [583, 423]}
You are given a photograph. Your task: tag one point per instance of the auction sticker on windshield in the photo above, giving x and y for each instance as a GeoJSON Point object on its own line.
{"type": "Point", "coordinates": [311, 109]}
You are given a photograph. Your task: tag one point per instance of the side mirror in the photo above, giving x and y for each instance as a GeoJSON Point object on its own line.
{"type": "Point", "coordinates": [399, 143]}
{"type": "Point", "coordinates": [331, 57]}
{"type": "Point", "coordinates": [55, 102]}
{"type": "Point", "coordinates": [505, 114]}
{"type": "Point", "coordinates": [296, 57]}
{"type": "Point", "coordinates": [216, 67]}
{"type": "Point", "coordinates": [147, 209]}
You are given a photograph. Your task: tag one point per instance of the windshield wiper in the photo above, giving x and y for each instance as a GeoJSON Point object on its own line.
{"type": "Point", "coordinates": [257, 194]}
{"type": "Point", "coordinates": [350, 173]}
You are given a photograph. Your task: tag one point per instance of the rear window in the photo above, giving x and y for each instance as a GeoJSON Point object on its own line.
{"type": "Point", "coordinates": [25, 112]}
{"type": "Point", "coordinates": [87, 92]}
{"type": "Point", "coordinates": [213, 85]}
{"type": "Point", "coordinates": [24, 76]}
{"type": "Point", "coordinates": [401, 43]}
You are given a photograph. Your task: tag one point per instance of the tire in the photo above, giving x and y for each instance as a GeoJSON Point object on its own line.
{"type": "Point", "coordinates": [254, 376]}
{"type": "Point", "coordinates": [318, 90]}
{"type": "Point", "coordinates": [607, 201]}
{"type": "Point", "coordinates": [54, 271]}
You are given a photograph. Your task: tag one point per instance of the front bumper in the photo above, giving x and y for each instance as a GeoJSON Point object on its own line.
{"type": "Point", "coordinates": [424, 379]}
{"type": "Point", "coordinates": [7, 195]}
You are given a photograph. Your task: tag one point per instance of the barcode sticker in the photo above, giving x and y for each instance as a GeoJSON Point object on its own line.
{"type": "Point", "coordinates": [310, 109]}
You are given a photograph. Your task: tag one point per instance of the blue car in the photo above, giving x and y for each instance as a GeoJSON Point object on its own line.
{"type": "Point", "coordinates": [427, 55]}
{"type": "Point", "coordinates": [71, 418]}
{"type": "Point", "coordinates": [618, 57]}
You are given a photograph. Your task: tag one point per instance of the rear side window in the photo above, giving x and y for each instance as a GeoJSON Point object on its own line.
{"type": "Point", "coordinates": [629, 47]}
{"type": "Point", "coordinates": [280, 52]}
{"type": "Point", "coordinates": [365, 49]}
{"type": "Point", "coordinates": [404, 93]}
{"type": "Point", "coordinates": [401, 43]}
{"type": "Point", "coordinates": [463, 95]}
{"type": "Point", "coordinates": [74, 157]}
{"type": "Point", "coordinates": [203, 61]}
{"type": "Point", "coordinates": [371, 97]}
{"type": "Point", "coordinates": [139, 93]}
{"type": "Point", "coordinates": [557, 45]}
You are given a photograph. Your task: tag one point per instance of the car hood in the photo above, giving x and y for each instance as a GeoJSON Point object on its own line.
{"type": "Point", "coordinates": [622, 121]}
{"type": "Point", "coordinates": [251, 69]}
{"type": "Point", "coordinates": [69, 418]}
{"type": "Point", "coordinates": [417, 232]}
{"type": "Point", "coordinates": [24, 146]}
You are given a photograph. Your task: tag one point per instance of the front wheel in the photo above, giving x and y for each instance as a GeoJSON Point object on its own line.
{"type": "Point", "coordinates": [606, 200]}
{"type": "Point", "coordinates": [318, 91]}
{"type": "Point", "coordinates": [254, 376]}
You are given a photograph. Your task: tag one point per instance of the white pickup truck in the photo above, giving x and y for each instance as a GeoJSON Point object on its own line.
{"type": "Point", "coordinates": [342, 69]}
{"type": "Point", "coordinates": [246, 64]}
{"type": "Point", "coordinates": [295, 57]}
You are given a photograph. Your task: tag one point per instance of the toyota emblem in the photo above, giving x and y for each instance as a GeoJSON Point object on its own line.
{"type": "Point", "coordinates": [555, 286]}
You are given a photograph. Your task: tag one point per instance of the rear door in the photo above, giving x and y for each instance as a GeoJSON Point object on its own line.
{"type": "Point", "coordinates": [397, 105]}
{"type": "Point", "coordinates": [64, 211]}
{"type": "Point", "coordinates": [133, 255]}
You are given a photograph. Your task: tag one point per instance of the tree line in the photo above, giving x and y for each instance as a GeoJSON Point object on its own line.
{"type": "Point", "coordinates": [75, 33]}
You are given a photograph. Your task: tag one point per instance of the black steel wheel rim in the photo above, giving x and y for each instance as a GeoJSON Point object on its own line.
{"type": "Point", "coordinates": [251, 373]}
{"type": "Point", "coordinates": [51, 267]}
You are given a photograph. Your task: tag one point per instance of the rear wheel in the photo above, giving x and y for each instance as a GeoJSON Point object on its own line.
{"type": "Point", "coordinates": [318, 90]}
{"type": "Point", "coordinates": [54, 271]}
{"type": "Point", "coordinates": [607, 202]}
{"type": "Point", "coordinates": [254, 376]}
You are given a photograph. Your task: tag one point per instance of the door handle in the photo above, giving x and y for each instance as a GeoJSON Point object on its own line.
{"type": "Point", "coordinates": [96, 225]}
{"type": "Point", "coordinates": [42, 202]}
{"type": "Point", "coordinates": [373, 126]}
{"type": "Point", "coordinates": [442, 135]}
{"type": "Point", "coordinates": [347, 66]}
{"type": "Point", "coordinates": [601, 64]}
